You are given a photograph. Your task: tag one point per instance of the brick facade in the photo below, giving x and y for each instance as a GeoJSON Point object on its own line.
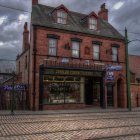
{"type": "Point", "coordinates": [37, 52]}
{"type": "Point", "coordinates": [135, 76]}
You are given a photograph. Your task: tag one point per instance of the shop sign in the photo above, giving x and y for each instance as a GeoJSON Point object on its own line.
{"type": "Point", "coordinates": [113, 68]}
{"type": "Point", "coordinates": [71, 72]}
{"type": "Point", "coordinates": [110, 76]}
{"type": "Point", "coordinates": [18, 87]}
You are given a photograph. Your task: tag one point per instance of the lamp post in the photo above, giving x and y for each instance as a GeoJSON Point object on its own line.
{"type": "Point", "coordinates": [127, 69]}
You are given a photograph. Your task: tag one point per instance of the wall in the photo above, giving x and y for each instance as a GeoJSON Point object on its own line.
{"type": "Point", "coordinates": [65, 37]}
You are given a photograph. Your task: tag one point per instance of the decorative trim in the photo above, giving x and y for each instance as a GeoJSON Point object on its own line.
{"type": "Point", "coordinates": [97, 43]}
{"type": "Point", "coordinates": [76, 39]}
{"type": "Point", "coordinates": [53, 36]}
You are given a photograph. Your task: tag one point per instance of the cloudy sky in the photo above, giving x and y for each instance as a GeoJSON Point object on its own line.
{"type": "Point", "coordinates": [121, 13]}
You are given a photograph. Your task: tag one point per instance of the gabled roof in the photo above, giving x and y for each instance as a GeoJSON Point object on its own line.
{"type": "Point", "coordinates": [41, 16]}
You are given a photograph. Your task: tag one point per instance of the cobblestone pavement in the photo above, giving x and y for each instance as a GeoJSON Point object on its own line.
{"type": "Point", "coordinates": [78, 126]}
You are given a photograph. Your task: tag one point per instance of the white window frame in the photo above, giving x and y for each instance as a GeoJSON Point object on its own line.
{"type": "Point", "coordinates": [61, 17]}
{"type": "Point", "coordinates": [75, 49]}
{"type": "Point", "coordinates": [52, 47]}
{"type": "Point", "coordinates": [92, 23]}
{"type": "Point", "coordinates": [96, 53]}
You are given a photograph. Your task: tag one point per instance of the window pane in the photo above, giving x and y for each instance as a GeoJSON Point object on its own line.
{"type": "Point", "coordinates": [114, 57]}
{"type": "Point", "coordinates": [96, 56]}
{"type": "Point", "coordinates": [75, 53]}
{"type": "Point", "coordinates": [75, 45]}
{"type": "Point", "coordinates": [52, 43]}
{"type": "Point", "coordinates": [96, 48]}
{"type": "Point", "coordinates": [114, 50]}
{"type": "Point", "coordinates": [52, 51]}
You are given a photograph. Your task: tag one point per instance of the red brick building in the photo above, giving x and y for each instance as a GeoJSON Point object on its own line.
{"type": "Point", "coordinates": [134, 64]}
{"type": "Point", "coordinates": [65, 61]}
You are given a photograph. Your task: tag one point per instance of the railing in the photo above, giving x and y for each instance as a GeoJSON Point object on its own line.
{"type": "Point", "coordinates": [72, 65]}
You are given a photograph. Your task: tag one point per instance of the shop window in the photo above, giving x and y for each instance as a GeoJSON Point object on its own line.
{"type": "Point", "coordinates": [96, 51]}
{"type": "Point", "coordinates": [61, 17]}
{"type": "Point", "coordinates": [52, 46]}
{"type": "Point", "coordinates": [62, 90]}
{"type": "Point", "coordinates": [92, 23]}
{"type": "Point", "coordinates": [75, 49]}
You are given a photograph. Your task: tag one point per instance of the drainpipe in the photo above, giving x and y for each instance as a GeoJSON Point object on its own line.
{"type": "Point", "coordinates": [34, 76]}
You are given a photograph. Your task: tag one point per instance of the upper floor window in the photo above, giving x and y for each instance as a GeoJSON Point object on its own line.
{"type": "Point", "coordinates": [76, 49]}
{"type": "Point", "coordinates": [61, 17]}
{"type": "Point", "coordinates": [96, 51]}
{"type": "Point", "coordinates": [93, 23]}
{"type": "Point", "coordinates": [114, 53]}
{"type": "Point", "coordinates": [52, 46]}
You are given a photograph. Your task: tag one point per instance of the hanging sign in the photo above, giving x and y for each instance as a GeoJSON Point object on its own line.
{"type": "Point", "coordinates": [18, 87]}
{"type": "Point", "coordinates": [113, 68]}
{"type": "Point", "coordinates": [110, 76]}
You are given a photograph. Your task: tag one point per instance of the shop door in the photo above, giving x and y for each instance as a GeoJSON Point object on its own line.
{"type": "Point", "coordinates": [110, 101]}
{"type": "Point", "coordinates": [88, 91]}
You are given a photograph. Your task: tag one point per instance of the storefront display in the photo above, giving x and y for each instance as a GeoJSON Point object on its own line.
{"type": "Point", "coordinates": [62, 89]}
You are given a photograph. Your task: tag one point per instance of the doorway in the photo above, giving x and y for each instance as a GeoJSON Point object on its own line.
{"type": "Point", "coordinates": [110, 98]}
{"type": "Point", "coordinates": [119, 92]}
{"type": "Point", "coordinates": [88, 91]}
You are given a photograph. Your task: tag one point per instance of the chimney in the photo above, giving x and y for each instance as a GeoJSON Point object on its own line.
{"type": "Point", "coordinates": [34, 2]}
{"type": "Point", "coordinates": [103, 13]}
{"type": "Point", "coordinates": [25, 37]}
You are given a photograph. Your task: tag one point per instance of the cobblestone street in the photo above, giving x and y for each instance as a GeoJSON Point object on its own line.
{"type": "Point", "coordinates": [74, 126]}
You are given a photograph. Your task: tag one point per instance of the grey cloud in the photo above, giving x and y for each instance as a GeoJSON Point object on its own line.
{"type": "Point", "coordinates": [127, 15]}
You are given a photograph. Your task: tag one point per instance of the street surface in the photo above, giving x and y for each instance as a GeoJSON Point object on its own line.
{"type": "Point", "coordinates": [76, 126]}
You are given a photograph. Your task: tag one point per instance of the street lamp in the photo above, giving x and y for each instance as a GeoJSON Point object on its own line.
{"type": "Point", "coordinates": [127, 69]}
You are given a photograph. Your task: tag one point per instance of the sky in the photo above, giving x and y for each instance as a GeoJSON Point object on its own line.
{"type": "Point", "coordinates": [122, 13]}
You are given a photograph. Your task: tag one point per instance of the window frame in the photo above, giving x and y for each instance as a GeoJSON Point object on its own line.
{"type": "Point", "coordinates": [92, 24]}
{"type": "Point", "coordinates": [56, 47]}
{"type": "Point", "coordinates": [63, 20]}
{"type": "Point", "coordinates": [75, 49]}
{"type": "Point", "coordinates": [96, 52]}
{"type": "Point", "coordinates": [114, 47]}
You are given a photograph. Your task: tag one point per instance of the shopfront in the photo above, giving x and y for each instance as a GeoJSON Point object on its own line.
{"type": "Point", "coordinates": [70, 88]}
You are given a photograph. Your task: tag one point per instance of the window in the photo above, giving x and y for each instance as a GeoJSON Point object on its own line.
{"type": "Point", "coordinates": [61, 17]}
{"type": "Point", "coordinates": [114, 54]}
{"type": "Point", "coordinates": [52, 46]}
{"type": "Point", "coordinates": [96, 52]}
{"type": "Point", "coordinates": [65, 60]}
{"type": "Point", "coordinates": [92, 23]}
{"type": "Point", "coordinates": [76, 49]}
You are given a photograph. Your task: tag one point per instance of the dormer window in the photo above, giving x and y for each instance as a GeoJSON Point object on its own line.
{"type": "Point", "coordinates": [92, 23]}
{"type": "Point", "coordinates": [61, 17]}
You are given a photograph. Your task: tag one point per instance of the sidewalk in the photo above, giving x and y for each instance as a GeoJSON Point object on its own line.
{"type": "Point", "coordinates": [76, 111]}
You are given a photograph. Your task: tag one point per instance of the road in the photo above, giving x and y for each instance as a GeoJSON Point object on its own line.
{"type": "Point", "coordinates": [77, 126]}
